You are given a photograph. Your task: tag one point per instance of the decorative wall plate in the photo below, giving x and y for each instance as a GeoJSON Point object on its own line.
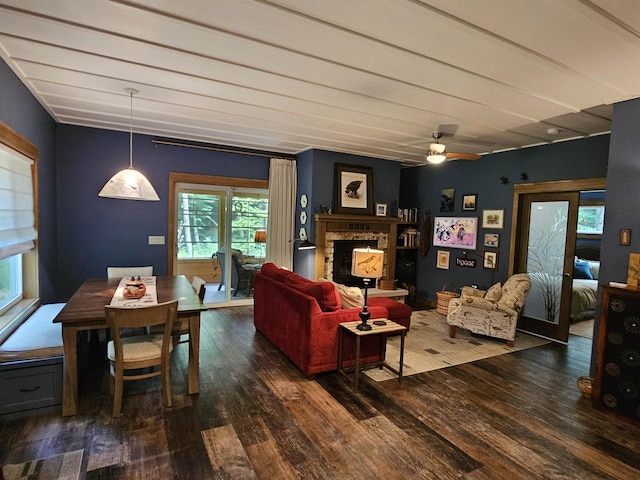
{"type": "Point", "coordinates": [303, 233]}
{"type": "Point", "coordinates": [303, 201]}
{"type": "Point", "coordinates": [303, 217]}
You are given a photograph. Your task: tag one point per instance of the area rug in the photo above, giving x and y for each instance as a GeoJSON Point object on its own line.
{"type": "Point", "coordinates": [583, 328]}
{"type": "Point", "coordinates": [428, 346]}
{"type": "Point", "coordinates": [65, 466]}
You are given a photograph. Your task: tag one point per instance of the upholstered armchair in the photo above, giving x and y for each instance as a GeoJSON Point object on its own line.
{"type": "Point", "coordinates": [493, 313]}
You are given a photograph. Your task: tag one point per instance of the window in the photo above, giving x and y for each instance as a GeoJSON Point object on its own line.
{"type": "Point", "coordinates": [18, 257]}
{"type": "Point", "coordinates": [199, 223]}
{"type": "Point", "coordinates": [202, 222]}
{"type": "Point", "coordinates": [591, 219]}
{"type": "Point", "coordinates": [10, 281]}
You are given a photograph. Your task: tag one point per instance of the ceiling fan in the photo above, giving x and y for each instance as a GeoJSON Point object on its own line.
{"type": "Point", "coordinates": [437, 152]}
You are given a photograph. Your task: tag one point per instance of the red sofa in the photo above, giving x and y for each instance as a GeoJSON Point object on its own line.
{"type": "Point", "coordinates": [301, 318]}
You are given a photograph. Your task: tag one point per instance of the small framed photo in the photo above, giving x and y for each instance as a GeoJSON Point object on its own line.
{"type": "Point", "coordinates": [490, 260]}
{"type": "Point", "coordinates": [492, 240]}
{"type": "Point", "coordinates": [469, 202]}
{"type": "Point", "coordinates": [443, 259]}
{"type": "Point", "coordinates": [493, 218]}
{"type": "Point", "coordinates": [625, 236]}
{"type": "Point", "coordinates": [381, 209]}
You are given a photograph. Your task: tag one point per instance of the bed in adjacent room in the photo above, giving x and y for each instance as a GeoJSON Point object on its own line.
{"type": "Point", "coordinates": [585, 283]}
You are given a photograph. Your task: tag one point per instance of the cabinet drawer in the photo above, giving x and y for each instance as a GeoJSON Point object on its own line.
{"type": "Point", "coordinates": [30, 388]}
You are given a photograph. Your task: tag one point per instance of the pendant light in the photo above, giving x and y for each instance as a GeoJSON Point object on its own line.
{"type": "Point", "coordinates": [129, 184]}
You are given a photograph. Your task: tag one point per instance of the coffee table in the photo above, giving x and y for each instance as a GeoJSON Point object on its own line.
{"type": "Point", "coordinates": [350, 328]}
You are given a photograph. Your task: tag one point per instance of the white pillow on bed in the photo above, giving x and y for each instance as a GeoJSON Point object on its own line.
{"type": "Point", "coordinates": [594, 268]}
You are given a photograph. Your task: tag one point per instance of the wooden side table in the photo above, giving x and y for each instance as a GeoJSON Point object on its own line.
{"type": "Point", "coordinates": [381, 330]}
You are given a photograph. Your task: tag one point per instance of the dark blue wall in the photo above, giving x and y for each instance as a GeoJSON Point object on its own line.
{"type": "Point", "coordinates": [20, 111]}
{"type": "Point", "coordinates": [316, 180]}
{"type": "Point", "coordinates": [623, 195]}
{"type": "Point", "coordinates": [97, 232]}
{"type": "Point", "coordinates": [421, 187]}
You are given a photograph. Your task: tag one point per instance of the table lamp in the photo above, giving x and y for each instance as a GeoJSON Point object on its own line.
{"type": "Point", "coordinates": [366, 264]}
{"type": "Point", "coordinates": [260, 237]}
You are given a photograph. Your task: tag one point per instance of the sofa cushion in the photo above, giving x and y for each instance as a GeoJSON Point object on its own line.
{"type": "Point", "coordinates": [324, 292]}
{"type": "Point", "coordinates": [396, 311]}
{"type": "Point", "coordinates": [271, 270]}
{"type": "Point", "coordinates": [494, 293]}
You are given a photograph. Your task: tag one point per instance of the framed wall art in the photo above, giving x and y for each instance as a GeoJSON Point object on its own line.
{"type": "Point", "coordinates": [455, 232]}
{"type": "Point", "coordinates": [492, 240]}
{"type": "Point", "coordinates": [493, 218]}
{"type": "Point", "coordinates": [490, 260]}
{"type": "Point", "coordinates": [353, 186]}
{"type": "Point", "coordinates": [447, 200]}
{"type": "Point", "coordinates": [443, 259]}
{"type": "Point", "coordinates": [381, 209]}
{"type": "Point", "coordinates": [469, 202]}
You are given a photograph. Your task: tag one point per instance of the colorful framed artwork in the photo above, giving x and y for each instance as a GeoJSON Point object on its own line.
{"type": "Point", "coordinates": [447, 200]}
{"type": "Point", "coordinates": [443, 259]}
{"type": "Point", "coordinates": [493, 218]}
{"type": "Point", "coordinates": [455, 232]}
{"type": "Point", "coordinates": [353, 186]}
{"type": "Point", "coordinates": [469, 202]}
{"type": "Point", "coordinates": [492, 240]}
{"type": "Point", "coordinates": [490, 260]}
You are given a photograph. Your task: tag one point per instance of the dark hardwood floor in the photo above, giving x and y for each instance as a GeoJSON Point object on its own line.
{"type": "Point", "coordinates": [516, 416]}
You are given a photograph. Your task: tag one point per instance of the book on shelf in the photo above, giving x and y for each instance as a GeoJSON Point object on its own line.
{"type": "Point", "coordinates": [408, 215]}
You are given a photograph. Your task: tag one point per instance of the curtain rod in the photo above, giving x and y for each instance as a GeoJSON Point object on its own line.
{"type": "Point", "coordinates": [220, 149]}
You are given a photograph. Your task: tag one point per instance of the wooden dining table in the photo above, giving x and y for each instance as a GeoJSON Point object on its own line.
{"type": "Point", "coordinates": [85, 311]}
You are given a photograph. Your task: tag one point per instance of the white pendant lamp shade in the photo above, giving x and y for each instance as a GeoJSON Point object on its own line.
{"type": "Point", "coordinates": [129, 184]}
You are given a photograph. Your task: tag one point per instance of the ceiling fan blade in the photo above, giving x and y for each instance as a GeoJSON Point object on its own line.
{"type": "Point", "coordinates": [447, 130]}
{"type": "Point", "coordinates": [462, 156]}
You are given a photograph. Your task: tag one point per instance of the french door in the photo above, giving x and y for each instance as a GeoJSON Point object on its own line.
{"type": "Point", "coordinates": [546, 240]}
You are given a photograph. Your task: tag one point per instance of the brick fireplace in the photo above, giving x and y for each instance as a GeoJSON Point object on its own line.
{"type": "Point", "coordinates": [331, 228]}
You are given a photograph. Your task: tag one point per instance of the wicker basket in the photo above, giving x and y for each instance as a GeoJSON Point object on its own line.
{"type": "Point", "coordinates": [443, 297]}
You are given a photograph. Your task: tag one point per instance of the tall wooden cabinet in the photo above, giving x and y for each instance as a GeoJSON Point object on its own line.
{"type": "Point", "coordinates": [617, 374]}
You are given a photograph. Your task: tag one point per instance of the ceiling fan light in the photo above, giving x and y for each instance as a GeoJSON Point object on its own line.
{"type": "Point", "coordinates": [436, 148]}
{"type": "Point", "coordinates": [434, 157]}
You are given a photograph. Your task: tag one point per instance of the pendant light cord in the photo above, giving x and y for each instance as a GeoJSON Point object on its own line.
{"type": "Point", "coordinates": [131, 130]}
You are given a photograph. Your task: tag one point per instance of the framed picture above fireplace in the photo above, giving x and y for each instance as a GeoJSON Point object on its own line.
{"type": "Point", "coordinates": [353, 186]}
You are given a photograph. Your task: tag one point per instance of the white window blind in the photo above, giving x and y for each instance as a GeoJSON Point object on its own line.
{"type": "Point", "coordinates": [17, 218]}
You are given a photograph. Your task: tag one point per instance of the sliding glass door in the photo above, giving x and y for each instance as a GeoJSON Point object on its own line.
{"type": "Point", "coordinates": [221, 237]}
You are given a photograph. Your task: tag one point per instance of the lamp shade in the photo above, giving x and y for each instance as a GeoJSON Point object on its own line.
{"type": "Point", "coordinates": [129, 184]}
{"type": "Point", "coordinates": [307, 245]}
{"type": "Point", "coordinates": [367, 263]}
{"type": "Point", "coordinates": [260, 236]}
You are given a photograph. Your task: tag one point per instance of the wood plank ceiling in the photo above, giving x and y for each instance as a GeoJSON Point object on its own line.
{"type": "Point", "coordinates": [366, 77]}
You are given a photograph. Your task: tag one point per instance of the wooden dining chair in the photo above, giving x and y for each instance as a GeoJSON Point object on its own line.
{"type": "Point", "coordinates": [119, 272]}
{"type": "Point", "coordinates": [140, 351]}
{"type": "Point", "coordinates": [181, 327]}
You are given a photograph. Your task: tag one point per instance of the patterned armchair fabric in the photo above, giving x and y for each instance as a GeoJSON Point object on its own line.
{"type": "Point", "coordinates": [493, 313]}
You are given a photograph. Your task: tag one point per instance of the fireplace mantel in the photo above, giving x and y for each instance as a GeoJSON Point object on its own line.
{"type": "Point", "coordinates": [355, 224]}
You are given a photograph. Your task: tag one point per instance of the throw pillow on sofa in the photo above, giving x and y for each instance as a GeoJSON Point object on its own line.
{"type": "Point", "coordinates": [350, 297]}
{"type": "Point", "coordinates": [494, 293]}
{"type": "Point", "coordinates": [324, 292]}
